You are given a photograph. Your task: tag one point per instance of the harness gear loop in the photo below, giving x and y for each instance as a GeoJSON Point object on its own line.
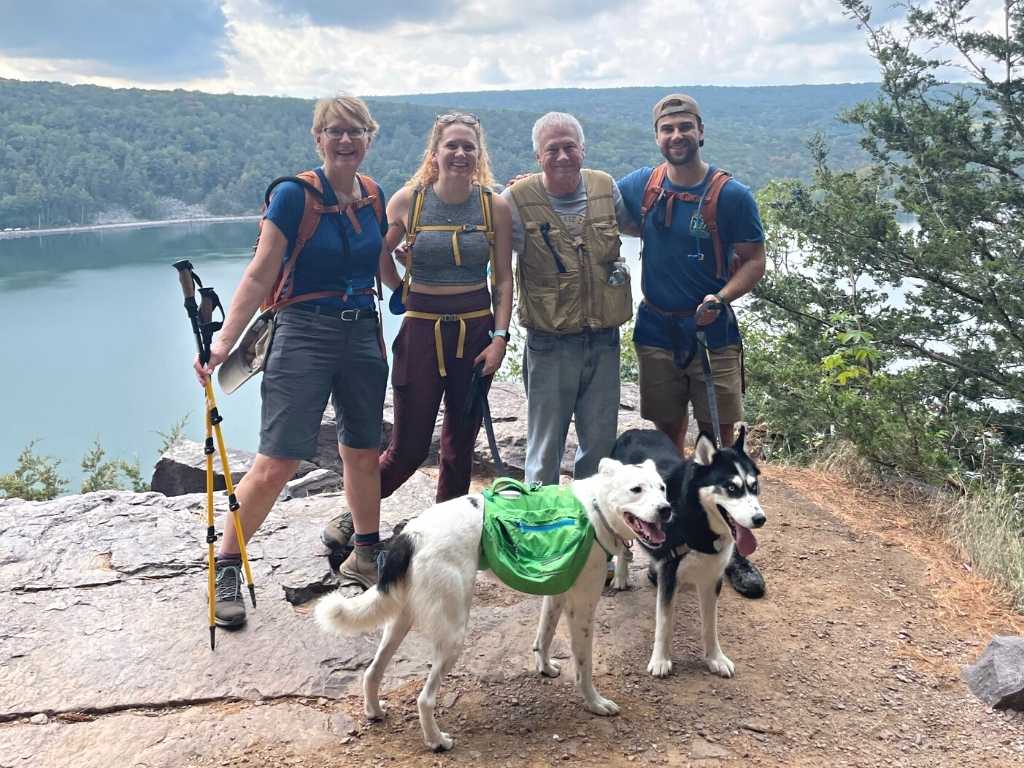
{"type": "Point", "coordinates": [461, 318]}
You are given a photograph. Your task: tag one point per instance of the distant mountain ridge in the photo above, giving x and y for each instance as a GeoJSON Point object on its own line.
{"type": "Point", "coordinates": [69, 153]}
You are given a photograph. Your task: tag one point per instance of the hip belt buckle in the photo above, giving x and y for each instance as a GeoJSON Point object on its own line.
{"type": "Point", "coordinates": [449, 318]}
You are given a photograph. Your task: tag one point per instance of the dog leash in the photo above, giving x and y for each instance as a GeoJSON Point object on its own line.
{"type": "Point", "coordinates": [705, 364]}
{"type": "Point", "coordinates": [478, 396]}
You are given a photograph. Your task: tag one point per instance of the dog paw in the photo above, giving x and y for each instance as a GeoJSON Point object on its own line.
{"type": "Point", "coordinates": [374, 712]}
{"type": "Point", "coordinates": [445, 743]}
{"type": "Point", "coordinates": [659, 667]}
{"type": "Point", "coordinates": [602, 706]}
{"type": "Point", "coordinates": [720, 665]}
{"type": "Point", "coordinates": [620, 584]}
{"type": "Point", "coordinates": [548, 668]}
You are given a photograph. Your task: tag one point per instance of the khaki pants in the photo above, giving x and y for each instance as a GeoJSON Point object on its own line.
{"type": "Point", "coordinates": [665, 389]}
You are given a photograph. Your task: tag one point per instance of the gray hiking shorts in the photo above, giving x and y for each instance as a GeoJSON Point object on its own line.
{"type": "Point", "coordinates": [315, 356]}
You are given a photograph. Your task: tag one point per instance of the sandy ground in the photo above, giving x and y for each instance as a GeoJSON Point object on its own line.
{"type": "Point", "coordinates": [853, 658]}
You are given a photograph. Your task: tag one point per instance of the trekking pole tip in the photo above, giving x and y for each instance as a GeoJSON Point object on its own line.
{"type": "Point", "coordinates": [252, 594]}
{"type": "Point", "coordinates": [213, 638]}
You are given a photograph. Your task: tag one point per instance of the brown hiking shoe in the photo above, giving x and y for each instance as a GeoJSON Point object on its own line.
{"type": "Point", "coordinates": [337, 532]}
{"type": "Point", "coordinates": [361, 566]}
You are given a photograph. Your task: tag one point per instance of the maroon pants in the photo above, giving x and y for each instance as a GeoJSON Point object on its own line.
{"type": "Point", "coordinates": [418, 387]}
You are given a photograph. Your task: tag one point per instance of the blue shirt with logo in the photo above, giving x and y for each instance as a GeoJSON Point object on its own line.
{"type": "Point", "coordinates": [336, 257]}
{"type": "Point", "coordinates": [678, 267]}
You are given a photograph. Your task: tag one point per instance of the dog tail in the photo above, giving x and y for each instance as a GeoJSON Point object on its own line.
{"type": "Point", "coordinates": [377, 605]}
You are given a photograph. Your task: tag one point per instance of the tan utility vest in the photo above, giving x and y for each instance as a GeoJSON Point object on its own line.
{"type": "Point", "coordinates": [562, 280]}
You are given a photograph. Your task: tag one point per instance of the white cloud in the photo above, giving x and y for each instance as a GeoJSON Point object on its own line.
{"type": "Point", "coordinates": [311, 49]}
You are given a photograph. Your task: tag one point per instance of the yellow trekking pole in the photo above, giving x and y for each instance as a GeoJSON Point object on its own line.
{"type": "Point", "coordinates": [203, 327]}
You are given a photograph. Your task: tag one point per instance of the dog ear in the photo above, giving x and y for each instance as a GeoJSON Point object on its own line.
{"type": "Point", "coordinates": [704, 451]}
{"type": "Point", "coordinates": [607, 467]}
{"type": "Point", "coordinates": [738, 445]}
{"type": "Point", "coordinates": [651, 466]}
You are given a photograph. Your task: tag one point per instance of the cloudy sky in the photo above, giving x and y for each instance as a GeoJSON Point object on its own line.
{"type": "Point", "coordinates": [310, 48]}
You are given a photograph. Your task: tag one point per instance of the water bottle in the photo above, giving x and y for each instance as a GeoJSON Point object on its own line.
{"type": "Point", "coordinates": [618, 274]}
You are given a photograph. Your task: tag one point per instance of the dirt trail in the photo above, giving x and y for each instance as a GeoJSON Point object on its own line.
{"type": "Point", "coordinates": [852, 659]}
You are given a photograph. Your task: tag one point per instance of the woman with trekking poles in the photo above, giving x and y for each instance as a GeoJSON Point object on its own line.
{"type": "Point", "coordinates": [450, 343]}
{"type": "Point", "coordinates": [320, 247]}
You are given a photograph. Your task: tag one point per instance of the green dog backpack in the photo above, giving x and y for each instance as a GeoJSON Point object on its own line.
{"type": "Point", "coordinates": [536, 540]}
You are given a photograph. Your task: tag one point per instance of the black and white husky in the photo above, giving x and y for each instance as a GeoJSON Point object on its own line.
{"type": "Point", "coordinates": [426, 581]}
{"type": "Point", "coordinates": [714, 507]}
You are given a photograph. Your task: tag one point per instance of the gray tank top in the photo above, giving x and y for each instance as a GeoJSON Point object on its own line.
{"type": "Point", "coordinates": [433, 257]}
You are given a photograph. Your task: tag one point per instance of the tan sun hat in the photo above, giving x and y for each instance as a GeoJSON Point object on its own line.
{"type": "Point", "coordinates": [673, 104]}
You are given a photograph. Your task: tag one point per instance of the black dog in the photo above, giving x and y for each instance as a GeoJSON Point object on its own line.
{"type": "Point", "coordinates": [715, 506]}
{"type": "Point", "coordinates": [635, 445]}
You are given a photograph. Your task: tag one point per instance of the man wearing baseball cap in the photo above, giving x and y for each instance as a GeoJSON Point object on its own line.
{"type": "Point", "coordinates": [702, 246]}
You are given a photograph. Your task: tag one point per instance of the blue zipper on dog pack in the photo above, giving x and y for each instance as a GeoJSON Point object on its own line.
{"type": "Point", "coordinates": [560, 523]}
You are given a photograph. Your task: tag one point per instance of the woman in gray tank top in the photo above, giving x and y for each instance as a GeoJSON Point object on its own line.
{"type": "Point", "coordinates": [452, 229]}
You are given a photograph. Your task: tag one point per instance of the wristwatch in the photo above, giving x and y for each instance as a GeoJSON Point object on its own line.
{"type": "Point", "coordinates": [500, 332]}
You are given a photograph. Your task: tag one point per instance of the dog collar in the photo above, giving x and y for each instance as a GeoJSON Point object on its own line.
{"type": "Point", "coordinates": [604, 524]}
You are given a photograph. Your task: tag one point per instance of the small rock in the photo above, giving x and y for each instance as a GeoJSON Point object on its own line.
{"type": "Point", "coordinates": [997, 678]}
{"type": "Point", "coordinates": [705, 750]}
{"type": "Point", "coordinates": [39, 719]}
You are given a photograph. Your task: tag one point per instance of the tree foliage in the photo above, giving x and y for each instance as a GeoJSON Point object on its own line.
{"type": "Point", "coordinates": [69, 154]}
{"type": "Point", "coordinates": [894, 295]}
{"type": "Point", "coordinates": [35, 477]}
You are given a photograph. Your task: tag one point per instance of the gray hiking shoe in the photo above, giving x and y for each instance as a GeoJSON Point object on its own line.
{"type": "Point", "coordinates": [337, 532]}
{"type": "Point", "coordinates": [229, 608]}
{"type": "Point", "coordinates": [360, 566]}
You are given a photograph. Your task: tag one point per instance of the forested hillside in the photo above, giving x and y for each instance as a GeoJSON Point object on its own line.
{"type": "Point", "coordinates": [70, 153]}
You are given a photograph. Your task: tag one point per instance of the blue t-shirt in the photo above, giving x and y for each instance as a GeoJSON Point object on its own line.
{"type": "Point", "coordinates": [336, 257]}
{"type": "Point", "coordinates": [678, 268]}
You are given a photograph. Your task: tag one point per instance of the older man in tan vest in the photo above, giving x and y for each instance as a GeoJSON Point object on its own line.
{"type": "Point", "coordinates": [573, 295]}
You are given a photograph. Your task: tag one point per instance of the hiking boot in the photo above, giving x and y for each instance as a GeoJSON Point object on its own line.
{"type": "Point", "coordinates": [337, 532]}
{"type": "Point", "coordinates": [361, 566]}
{"type": "Point", "coordinates": [229, 607]}
{"type": "Point", "coordinates": [744, 576]}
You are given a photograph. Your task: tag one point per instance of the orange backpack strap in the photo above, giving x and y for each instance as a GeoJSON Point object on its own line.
{"type": "Point", "coordinates": [652, 194]}
{"type": "Point", "coordinates": [375, 198]}
{"type": "Point", "coordinates": [312, 210]}
{"type": "Point", "coordinates": [709, 212]}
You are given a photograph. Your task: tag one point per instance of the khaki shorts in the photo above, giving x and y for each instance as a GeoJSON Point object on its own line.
{"type": "Point", "coordinates": [665, 389]}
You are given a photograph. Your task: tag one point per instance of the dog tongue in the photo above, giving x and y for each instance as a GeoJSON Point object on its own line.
{"type": "Point", "coordinates": [745, 541]}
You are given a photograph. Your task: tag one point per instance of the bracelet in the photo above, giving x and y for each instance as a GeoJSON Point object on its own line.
{"type": "Point", "coordinates": [501, 333]}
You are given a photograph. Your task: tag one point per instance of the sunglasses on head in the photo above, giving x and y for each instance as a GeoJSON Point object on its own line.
{"type": "Point", "coordinates": [458, 117]}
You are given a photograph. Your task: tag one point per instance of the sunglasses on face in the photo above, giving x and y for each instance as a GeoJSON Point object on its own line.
{"type": "Point", "coordinates": [458, 117]}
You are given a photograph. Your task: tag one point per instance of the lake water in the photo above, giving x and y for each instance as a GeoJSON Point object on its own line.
{"type": "Point", "coordinates": [98, 346]}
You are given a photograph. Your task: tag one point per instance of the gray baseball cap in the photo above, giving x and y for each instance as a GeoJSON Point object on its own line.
{"type": "Point", "coordinates": [674, 103]}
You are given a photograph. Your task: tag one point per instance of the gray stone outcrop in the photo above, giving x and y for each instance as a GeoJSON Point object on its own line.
{"type": "Point", "coordinates": [997, 677]}
{"type": "Point", "coordinates": [182, 468]}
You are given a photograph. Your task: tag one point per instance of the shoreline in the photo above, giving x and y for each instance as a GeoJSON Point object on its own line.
{"type": "Point", "coordinates": [123, 225]}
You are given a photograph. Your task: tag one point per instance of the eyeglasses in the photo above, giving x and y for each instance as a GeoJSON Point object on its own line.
{"type": "Point", "coordinates": [458, 117]}
{"type": "Point", "coordinates": [353, 133]}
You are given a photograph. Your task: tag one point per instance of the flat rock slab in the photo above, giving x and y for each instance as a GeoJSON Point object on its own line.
{"type": "Point", "coordinates": [103, 604]}
{"type": "Point", "coordinates": [172, 737]}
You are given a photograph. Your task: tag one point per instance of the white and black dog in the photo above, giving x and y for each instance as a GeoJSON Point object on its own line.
{"type": "Point", "coordinates": [714, 498]}
{"type": "Point", "coordinates": [426, 581]}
